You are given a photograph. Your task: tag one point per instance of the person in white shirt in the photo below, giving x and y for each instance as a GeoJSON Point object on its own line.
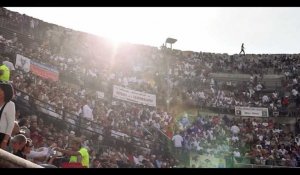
{"type": "Point", "coordinates": [7, 120]}
{"type": "Point", "coordinates": [38, 155]}
{"type": "Point", "coordinates": [294, 92]}
{"type": "Point", "coordinates": [235, 138]}
{"type": "Point", "coordinates": [86, 111]}
{"type": "Point", "coordinates": [177, 139]}
{"type": "Point", "coordinates": [295, 81]}
{"type": "Point", "coordinates": [235, 129]}
{"type": "Point", "coordinates": [265, 99]}
{"type": "Point", "coordinates": [237, 155]}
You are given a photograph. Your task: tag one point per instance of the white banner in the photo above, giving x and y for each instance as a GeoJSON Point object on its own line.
{"type": "Point", "coordinates": [251, 112]}
{"type": "Point", "coordinates": [134, 96]}
{"type": "Point", "coordinates": [22, 63]}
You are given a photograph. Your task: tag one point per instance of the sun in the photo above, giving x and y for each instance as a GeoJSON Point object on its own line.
{"type": "Point", "coordinates": [115, 42]}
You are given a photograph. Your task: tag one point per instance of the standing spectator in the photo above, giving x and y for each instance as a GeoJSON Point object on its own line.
{"type": "Point", "coordinates": [7, 114]}
{"type": "Point", "coordinates": [242, 49]}
{"type": "Point", "coordinates": [86, 111]}
{"type": "Point", "coordinates": [177, 142]}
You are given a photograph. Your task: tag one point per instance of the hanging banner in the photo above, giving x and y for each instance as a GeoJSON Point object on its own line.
{"type": "Point", "coordinates": [251, 112]}
{"type": "Point", "coordinates": [44, 71]}
{"type": "Point", "coordinates": [134, 96]}
{"type": "Point", "coordinates": [22, 63]}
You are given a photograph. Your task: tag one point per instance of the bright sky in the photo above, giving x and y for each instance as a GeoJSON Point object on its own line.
{"type": "Point", "coordinates": [207, 29]}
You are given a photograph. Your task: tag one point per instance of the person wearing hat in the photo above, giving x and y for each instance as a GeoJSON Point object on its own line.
{"type": "Point", "coordinates": [7, 114]}
{"type": "Point", "coordinates": [77, 153]}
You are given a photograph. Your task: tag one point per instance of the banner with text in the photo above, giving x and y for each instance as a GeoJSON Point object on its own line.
{"type": "Point", "coordinates": [251, 112]}
{"type": "Point", "coordinates": [44, 71]}
{"type": "Point", "coordinates": [134, 96]}
{"type": "Point", "coordinates": [22, 63]}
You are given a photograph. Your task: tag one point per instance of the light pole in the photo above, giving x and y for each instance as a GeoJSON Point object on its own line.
{"type": "Point", "coordinates": [169, 41]}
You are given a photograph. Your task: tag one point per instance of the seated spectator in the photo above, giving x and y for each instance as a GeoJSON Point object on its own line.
{"type": "Point", "coordinates": [78, 153]}
{"type": "Point", "coordinates": [26, 149]}
{"type": "Point", "coordinates": [17, 143]}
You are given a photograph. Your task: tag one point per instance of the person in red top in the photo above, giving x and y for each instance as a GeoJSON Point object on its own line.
{"type": "Point", "coordinates": [169, 132]}
{"type": "Point", "coordinates": [130, 157]}
{"type": "Point", "coordinates": [285, 101]}
{"type": "Point", "coordinates": [216, 120]}
{"type": "Point", "coordinates": [270, 124]}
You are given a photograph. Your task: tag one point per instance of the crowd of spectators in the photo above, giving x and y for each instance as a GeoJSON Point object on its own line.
{"type": "Point", "coordinates": [174, 76]}
{"type": "Point", "coordinates": [249, 140]}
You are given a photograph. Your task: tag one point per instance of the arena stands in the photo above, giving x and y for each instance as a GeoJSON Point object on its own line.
{"type": "Point", "coordinates": [68, 86]}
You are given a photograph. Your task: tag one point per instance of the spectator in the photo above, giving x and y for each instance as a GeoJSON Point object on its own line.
{"type": "Point", "coordinates": [26, 149]}
{"type": "Point", "coordinates": [17, 143]}
{"type": "Point", "coordinates": [235, 129]}
{"type": "Point", "coordinates": [185, 121]}
{"type": "Point", "coordinates": [178, 140]}
{"type": "Point", "coordinates": [4, 73]}
{"type": "Point", "coordinates": [78, 153]}
{"type": "Point", "coordinates": [96, 164]}
{"type": "Point", "coordinates": [86, 111]}
{"type": "Point", "coordinates": [9, 64]}
{"type": "Point", "coordinates": [190, 82]}
{"type": "Point", "coordinates": [7, 114]}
